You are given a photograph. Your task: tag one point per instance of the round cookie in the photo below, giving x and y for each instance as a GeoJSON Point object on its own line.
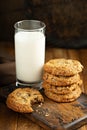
{"type": "Point", "coordinates": [61, 90]}
{"type": "Point", "coordinates": [64, 67]}
{"type": "Point", "coordinates": [63, 97]}
{"type": "Point", "coordinates": [60, 80]}
{"type": "Point", "coordinates": [21, 99]}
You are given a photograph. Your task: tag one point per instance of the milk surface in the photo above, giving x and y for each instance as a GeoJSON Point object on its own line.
{"type": "Point", "coordinates": [29, 55]}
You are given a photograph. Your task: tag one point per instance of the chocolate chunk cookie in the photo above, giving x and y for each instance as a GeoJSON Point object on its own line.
{"type": "Point", "coordinates": [61, 90]}
{"type": "Point", "coordinates": [63, 97]}
{"type": "Point", "coordinates": [22, 99]}
{"type": "Point", "coordinates": [64, 67]}
{"type": "Point", "coordinates": [60, 80]}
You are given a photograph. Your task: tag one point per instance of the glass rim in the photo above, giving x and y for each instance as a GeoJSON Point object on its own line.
{"type": "Point", "coordinates": [36, 21]}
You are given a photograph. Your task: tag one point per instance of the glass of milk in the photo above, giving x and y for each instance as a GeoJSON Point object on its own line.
{"type": "Point", "coordinates": [29, 52]}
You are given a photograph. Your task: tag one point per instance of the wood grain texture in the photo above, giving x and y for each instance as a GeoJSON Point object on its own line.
{"type": "Point", "coordinates": [66, 21]}
{"type": "Point", "coordinates": [18, 121]}
{"type": "Point", "coordinates": [10, 120]}
{"type": "Point", "coordinates": [61, 116]}
{"type": "Point", "coordinates": [66, 18]}
{"type": "Point", "coordinates": [56, 116]}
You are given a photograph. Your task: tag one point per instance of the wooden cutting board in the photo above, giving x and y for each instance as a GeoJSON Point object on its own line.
{"type": "Point", "coordinates": [55, 116]}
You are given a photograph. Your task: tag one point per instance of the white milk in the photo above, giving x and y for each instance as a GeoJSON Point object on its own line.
{"type": "Point", "coordinates": [30, 55]}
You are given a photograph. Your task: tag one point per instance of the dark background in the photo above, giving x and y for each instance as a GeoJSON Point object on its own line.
{"type": "Point", "coordinates": [66, 20]}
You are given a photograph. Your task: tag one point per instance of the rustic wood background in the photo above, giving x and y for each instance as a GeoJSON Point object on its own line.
{"type": "Point", "coordinates": [66, 20]}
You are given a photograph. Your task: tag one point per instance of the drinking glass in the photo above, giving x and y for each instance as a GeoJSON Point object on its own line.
{"type": "Point", "coordinates": [29, 41]}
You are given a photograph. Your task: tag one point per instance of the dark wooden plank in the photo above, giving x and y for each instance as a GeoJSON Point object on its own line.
{"type": "Point", "coordinates": [64, 116]}
{"type": "Point", "coordinates": [57, 116]}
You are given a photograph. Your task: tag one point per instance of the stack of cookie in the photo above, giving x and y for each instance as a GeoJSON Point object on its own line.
{"type": "Point", "coordinates": [61, 79]}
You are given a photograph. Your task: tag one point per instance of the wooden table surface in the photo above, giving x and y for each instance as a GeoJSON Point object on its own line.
{"type": "Point", "coordinates": [10, 120]}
